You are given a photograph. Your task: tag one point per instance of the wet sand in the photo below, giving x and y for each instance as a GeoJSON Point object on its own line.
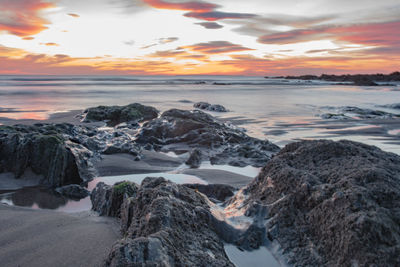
{"type": "Point", "coordinates": [46, 238]}
{"type": "Point", "coordinates": [220, 177]}
{"type": "Point", "coordinates": [122, 164]}
{"type": "Point", "coordinates": [8, 181]}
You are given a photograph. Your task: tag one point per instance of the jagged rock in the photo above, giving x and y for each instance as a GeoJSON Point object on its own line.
{"type": "Point", "coordinates": [43, 149]}
{"type": "Point", "coordinates": [219, 192]}
{"type": "Point", "coordinates": [328, 203]}
{"type": "Point", "coordinates": [73, 191]}
{"type": "Point", "coordinates": [209, 107]}
{"type": "Point", "coordinates": [107, 200]}
{"type": "Point", "coordinates": [170, 225]}
{"type": "Point", "coordinates": [181, 130]}
{"type": "Point", "coordinates": [115, 115]}
{"type": "Point", "coordinates": [194, 160]}
{"type": "Point", "coordinates": [349, 112]}
{"type": "Point", "coordinates": [392, 106]}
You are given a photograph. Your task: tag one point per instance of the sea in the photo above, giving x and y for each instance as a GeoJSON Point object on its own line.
{"type": "Point", "coordinates": [276, 109]}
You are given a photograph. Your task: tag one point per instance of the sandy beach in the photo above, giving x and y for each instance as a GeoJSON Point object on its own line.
{"type": "Point", "coordinates": [46, 238]}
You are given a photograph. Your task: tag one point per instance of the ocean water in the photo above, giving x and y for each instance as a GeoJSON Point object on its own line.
{"type": "Point", "coordinates": [276, 109]}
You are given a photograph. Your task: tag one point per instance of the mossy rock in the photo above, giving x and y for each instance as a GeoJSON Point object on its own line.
{"type": "Point", "coordinates": [125, 187]}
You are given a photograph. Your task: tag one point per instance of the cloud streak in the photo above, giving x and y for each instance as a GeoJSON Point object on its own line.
{"type": "Point", "coordinates": [210, 25]}
{"type": "Point", "coordinates": [218, 15]}
{"type": "Point", "coordinates": [217, 47]}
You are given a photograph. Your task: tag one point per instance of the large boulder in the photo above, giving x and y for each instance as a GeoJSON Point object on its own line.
{"type": "Point", "coordinates": [44, 150]}
{"type": "Point", "coordinates": [114, 115]}
{"type": "Point", "coordinates": [182, 130]}
{"type": "Point", "coordinates": [328, 203]}
{"type": "Point", "coordinates": [169, 225]}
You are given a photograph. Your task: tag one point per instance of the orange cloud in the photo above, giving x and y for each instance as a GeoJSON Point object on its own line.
{"type": "Point", "coordinates": [175, 62]}
{"type": "Point", "coordinates": [23, 17]}
{"type": "Point", "coordinates": [185, 6]}
{"type": "Point", "coordinates": [50, 44]}
{"type": "Point", "coordinates": [73, 15]}
{"type": "Point", "coordinates": [385, 35]}
{"type": "Point", "coordinates": [378, 34]}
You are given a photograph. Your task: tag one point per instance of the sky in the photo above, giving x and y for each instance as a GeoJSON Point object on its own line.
{"type": "Point", "coordinates": [210, 37]}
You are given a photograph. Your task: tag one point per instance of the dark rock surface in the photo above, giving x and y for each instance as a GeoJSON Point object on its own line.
{"type": "Point", "coordinates": [210, 107]}
{"type": "Point", "coordinates": [218, 192]}
{"type": "Point", "coordinates": [392, 106]}
{"type": "Point", "coordinates": [349, 112]}
{"type": "Point", "coordinates": [114, 115]}
{"type": "Point", "coordinates": [73, 191]}
{"type": "Point", "coordinates": [328, 204]}
{"type": "Point", "coordinates": [107, 200]}
{"type": "Point", "coordinates": [180, 130]}
{"type": "Point", "coordinates": [169, 225]}
{"type": "Point", "coordinates": [356, 79]}
{"type": "Point", "coordinates": [194, 160]}
{"type": "Point", "coordinates": [44, 150]}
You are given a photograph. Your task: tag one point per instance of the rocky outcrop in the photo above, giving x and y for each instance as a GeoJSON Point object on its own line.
{"type": "Point", "coordinates": [210, 107]}
{"type": "Point", "coordinates": [107, 200]}
{"type": "Point", "coordinates": [327, 203]}
{"type": "Point", "coordinates": [392, 106]}
{"type": "Point", "coordinates": [219, 192]}
{"type": "Point", "coordinates": [356, 79]}
{"type": "Point", "coordinates": [44, 150]}
{"type": "Point", "coordinates": [114, 115]}
{"type": "Point", "coordinates": [348, 112]}
{"type": "Point", "coordinates": [169, 225]}
{"type": "Point", "coordinates": [181, 130]}
{"type": "Point", "coordinates": [73, 191]}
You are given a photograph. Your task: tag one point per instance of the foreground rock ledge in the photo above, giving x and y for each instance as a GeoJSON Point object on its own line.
{"type": "Point", "coordinates": [164, 224]}
{"type": "Point", "coordinates": [329, 203]}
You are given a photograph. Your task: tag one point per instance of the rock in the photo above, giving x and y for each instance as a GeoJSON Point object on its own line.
{"type": "Point", "coordinates": [328, 203]}
{"type": "Point", "coordinates": [170, 226]}
{"type": "Point", "coordinates": [115, 115]}
{"type": "Point", "coordinates": [43, 149]}
{"type": "Point", "coordinates": [128, 148]}
{"type": "Point", "coordinates": [218, 192]}
{"type": "Point", "coordinates": [364, 81]}
{"type": "Point", "coordinates": [392, 106]}
{"type": "Point", "coordinates": [349, 112]}
{"type": "Point", "coordinates": [73, 191]}
{"type": "Point", "coordinates": [180, 130]}
{"type": "Point", "coordinates": [107, 200]}
{"type": "Point", "coordinates": [357, 79]}
{"type": "Point", "coordinates": [209, 107]}
{"type": "Point", "coordinates": [194, 161]}
{"type": "Point", "coordinates": [333, 116]}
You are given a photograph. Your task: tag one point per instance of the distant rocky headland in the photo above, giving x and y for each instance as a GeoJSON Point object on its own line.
{"type": "Point", "coordinates": [314, 203]}
{"type": "Point", "coordinates": [354, 79]}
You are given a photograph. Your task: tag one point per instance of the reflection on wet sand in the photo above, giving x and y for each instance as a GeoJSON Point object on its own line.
{"type": "Point", "coordinates": [32, 197]}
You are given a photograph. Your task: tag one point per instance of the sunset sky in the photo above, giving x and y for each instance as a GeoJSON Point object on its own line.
{"type": "Point", "coordinates": [233, 37]}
